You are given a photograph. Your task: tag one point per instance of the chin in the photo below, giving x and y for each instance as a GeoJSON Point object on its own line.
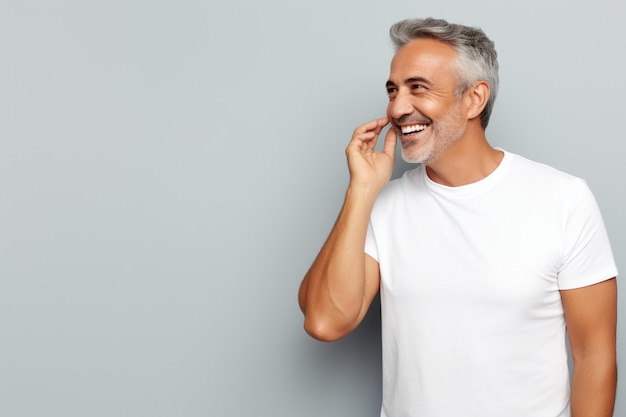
{"type": "Point", "coordinates": [410, 159]}
{"type": "Point", "coordinates": [416, 155]}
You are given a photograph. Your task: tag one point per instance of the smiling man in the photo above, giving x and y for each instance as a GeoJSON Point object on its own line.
{"type": "Point", "coordinates": [482, 258]}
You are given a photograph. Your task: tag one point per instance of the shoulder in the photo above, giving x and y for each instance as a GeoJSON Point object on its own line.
{"type": "Point", "coordinates": [537, 170]}
{"type": "Point", "coordinates": [543, 186]}
{"type": "Point", "coordinates": [410, 180]}
{"type": "Point", "coordinates": [408, 184]}
{"type": "Point", "coordinates": [542, 179]}
{"type": "Point", "coordinates": [400, 193]}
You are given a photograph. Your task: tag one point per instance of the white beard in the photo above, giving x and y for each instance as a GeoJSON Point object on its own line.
{"type": "Point", "coordinates": [444, 133]}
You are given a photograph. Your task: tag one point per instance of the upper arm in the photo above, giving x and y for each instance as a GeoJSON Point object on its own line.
{"type": "Point", "coordinates": [591, 318]}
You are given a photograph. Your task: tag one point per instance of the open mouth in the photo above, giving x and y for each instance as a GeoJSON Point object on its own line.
{"type": "Point", "coordinates": [411, 129]}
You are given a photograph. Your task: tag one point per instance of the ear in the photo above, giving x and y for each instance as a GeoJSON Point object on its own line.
{"type": "Point", "coordinates": [478, 95]}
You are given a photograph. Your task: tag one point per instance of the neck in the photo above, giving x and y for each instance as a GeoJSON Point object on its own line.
{"type": "Point", "coordinates": [468, 160]}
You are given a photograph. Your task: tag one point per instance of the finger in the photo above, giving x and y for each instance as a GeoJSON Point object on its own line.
{"type": "Point", "coordinates": [365, 141]}
{"type": "Point", "coordinates": [374, 125]}
{"type": "Point", "coordinates": [367, 134]}
{"type": "Point", "coordinates": [364, 136]}
{"type": "Point", "coordinates": [391, 139]}
{"type": "Point", "coordinates": [381, 125]}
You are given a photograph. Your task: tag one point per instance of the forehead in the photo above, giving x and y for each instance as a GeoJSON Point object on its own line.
{"type": "Point", "coordinates": [427, 58]}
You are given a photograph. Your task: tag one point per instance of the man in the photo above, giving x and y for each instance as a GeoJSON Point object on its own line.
{"type": "Point", "coordinates": [482, 257]}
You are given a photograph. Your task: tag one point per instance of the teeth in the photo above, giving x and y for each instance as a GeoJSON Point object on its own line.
{"type": "Point", "coordinates": [412, 129]}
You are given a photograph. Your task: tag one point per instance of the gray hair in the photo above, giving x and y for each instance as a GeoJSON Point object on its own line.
{"type": "Point", "coordinates": [476, 54]}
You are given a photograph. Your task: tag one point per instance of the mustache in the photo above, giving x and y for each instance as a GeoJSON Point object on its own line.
{"type": "Point", "coordinates": [413, 118]}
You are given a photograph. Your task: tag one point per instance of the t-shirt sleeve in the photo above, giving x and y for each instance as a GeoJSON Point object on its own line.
{"type": "Point", "coordinates": [587, 255]}
{"type": "Point", "coordinates": [370, 243]}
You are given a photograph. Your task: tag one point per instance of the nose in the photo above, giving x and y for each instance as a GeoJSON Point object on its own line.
{"type": "Point", "coordinates": [400, 106]}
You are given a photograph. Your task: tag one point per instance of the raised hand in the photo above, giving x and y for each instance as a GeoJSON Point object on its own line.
{"type": "Point", "coordinates": [338, 289]}
{"type": "Point", "coordinates": [369, 168]}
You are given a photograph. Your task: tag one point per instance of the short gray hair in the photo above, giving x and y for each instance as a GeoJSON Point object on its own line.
{"type": "Point", "coordinates": [476, 54]}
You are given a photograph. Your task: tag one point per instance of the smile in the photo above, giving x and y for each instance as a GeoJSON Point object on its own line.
{"type": "Point", "coordinates": [407, 130]}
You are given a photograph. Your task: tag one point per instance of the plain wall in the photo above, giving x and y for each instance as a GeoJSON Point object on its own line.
{"type": "Point", "coordinates": [169, 170]}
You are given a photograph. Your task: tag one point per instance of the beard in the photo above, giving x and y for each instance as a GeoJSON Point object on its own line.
{"type": "Point", "coordinates": [443, 133]}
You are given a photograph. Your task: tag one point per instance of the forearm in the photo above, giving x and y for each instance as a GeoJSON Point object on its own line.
{"type": "Point", "coordinates": [333, 292]}
{"type": "Point", "coordinates": [593, 385]}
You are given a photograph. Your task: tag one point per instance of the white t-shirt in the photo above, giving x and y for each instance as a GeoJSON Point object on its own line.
{"type": "Point", "coordinates": [472, 320]}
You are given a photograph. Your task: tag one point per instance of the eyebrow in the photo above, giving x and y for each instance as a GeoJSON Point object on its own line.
{"type": "Point", "coordinates": [411, 80]}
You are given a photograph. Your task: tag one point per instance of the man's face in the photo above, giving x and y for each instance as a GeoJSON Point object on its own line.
{"type": "Point", "coordinates": [423, 104]}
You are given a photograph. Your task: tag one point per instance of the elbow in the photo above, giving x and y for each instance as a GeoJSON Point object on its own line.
{"type": "Point", "coordinates": [325, 330]}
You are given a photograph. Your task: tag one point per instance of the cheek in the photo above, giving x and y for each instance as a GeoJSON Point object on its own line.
{"type": "Point", "coordinates": [431, 108]}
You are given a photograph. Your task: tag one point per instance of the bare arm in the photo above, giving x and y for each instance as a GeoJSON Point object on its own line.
{"type": "Point", "coordinates": [591, 316]}
{"type": "Point", "coordinates": [338, 289]}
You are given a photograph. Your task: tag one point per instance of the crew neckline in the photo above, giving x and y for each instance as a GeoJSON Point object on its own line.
{"type": "Point", "coordinates": [481, 186]}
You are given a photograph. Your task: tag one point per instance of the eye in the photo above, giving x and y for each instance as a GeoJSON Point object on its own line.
{"type": "Point", "coordinates": [417, 86]}
{"type": "Point", "coordinates": [391, 92]}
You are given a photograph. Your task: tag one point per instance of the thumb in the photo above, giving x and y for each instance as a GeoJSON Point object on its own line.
{"type": "Point", "coordinates": [389, 148]}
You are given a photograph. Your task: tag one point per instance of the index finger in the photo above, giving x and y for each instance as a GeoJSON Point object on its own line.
{"type": "Point", "coordinates": [375, 125]}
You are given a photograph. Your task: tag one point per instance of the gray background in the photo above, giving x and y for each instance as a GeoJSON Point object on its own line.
{"type": "Point", "coordinates": [169, 170]}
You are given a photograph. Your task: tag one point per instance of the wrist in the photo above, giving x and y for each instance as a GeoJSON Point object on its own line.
{"type": "Point", "coordinates": [363, 192]}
